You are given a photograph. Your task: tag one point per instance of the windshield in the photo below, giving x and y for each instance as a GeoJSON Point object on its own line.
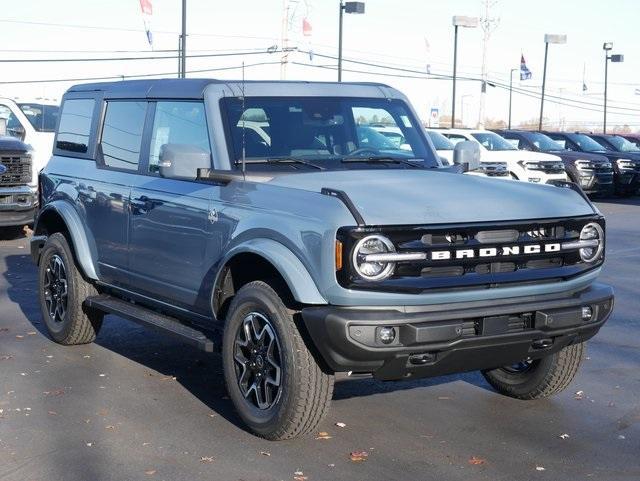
{"type": "Point", "coordinates": [587, 144]}
{"type": "Point", "coordinates": [621, 144]}
{"type": "Point", "coordinates": [492, 141]}
{"type": "Point", "coordinates": [542, 142]}
{"type": "Point", "coordinates": [43, 118]}
{"type": "Point", "coordinates": [324, 132]}
{"type": "Point", "coordinates": [440, 142]}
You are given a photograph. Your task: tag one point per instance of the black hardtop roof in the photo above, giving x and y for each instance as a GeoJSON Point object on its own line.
{"type": "Point", "coordinates": [191, 88]}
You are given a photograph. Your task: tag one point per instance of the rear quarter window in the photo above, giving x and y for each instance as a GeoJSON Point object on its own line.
{"type": "Point", "coordinates": [74, 130]}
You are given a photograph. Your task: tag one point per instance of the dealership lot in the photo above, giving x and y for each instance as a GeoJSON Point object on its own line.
{"type": "Point", "coordinates": [137, 405]}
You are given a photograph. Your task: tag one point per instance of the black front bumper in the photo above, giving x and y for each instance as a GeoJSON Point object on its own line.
{"type": "Point", "coordinates": [442, 339]}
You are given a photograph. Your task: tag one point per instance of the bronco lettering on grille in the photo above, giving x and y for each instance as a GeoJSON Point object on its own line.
{"type": "Point", "coordinates": [488, 252]}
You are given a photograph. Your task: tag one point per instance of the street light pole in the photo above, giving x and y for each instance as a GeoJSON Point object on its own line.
{"type": "Point", "coordinates": [346, 7]}
{"type": "Point", "coordinates": [548, 38]}
{"type": "Point", "coordinates": [455, 66]}
{"type": "Point", "coordinates": [183, 49]}
{"type": "Point", "coordinates": [607, 46]}
{"type": "Point", "coordinates": [544, 82]}
{"type": "Point", "coordinates": [340, 43]}
{"type": "Point", "coordinates": [458, 21]}
{"type": "Point", "coordinates": [510, 93]}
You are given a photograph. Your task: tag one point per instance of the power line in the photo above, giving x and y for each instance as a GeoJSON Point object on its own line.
{"type": "Point", "coordinates": [151, 57]}
{"type": "Point", "coordinates": [145, 75]}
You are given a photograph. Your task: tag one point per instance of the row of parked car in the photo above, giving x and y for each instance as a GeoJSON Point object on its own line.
{"type": "Point", "coordinates": [599, 163]}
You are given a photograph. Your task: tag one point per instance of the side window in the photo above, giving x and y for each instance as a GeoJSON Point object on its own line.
{"type": "Point", "coordinates": [75, 125]}
{"type": "Point", "coordinates": [122, 134]}
{"type": "Point", "coordinates": [178, 123]}
{"type": "Point", "coordinates": [14, 127]}
{"type": "Point", "coordinates": [523, 144]}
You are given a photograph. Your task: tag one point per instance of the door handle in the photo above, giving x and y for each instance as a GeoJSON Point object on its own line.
{"type": "Point", "coordinates": [142, 205]}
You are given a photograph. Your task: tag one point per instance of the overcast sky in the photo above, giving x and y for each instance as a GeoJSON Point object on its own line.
{"type": "Point", "coordinates": [405, 33]}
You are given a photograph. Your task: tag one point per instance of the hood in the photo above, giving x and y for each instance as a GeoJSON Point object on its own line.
{"type": "Point", "coordinates": [571, 155]}
{"type": "Point", "coordinates": [511, 155]}
{"type": "Point", "coordinates": [407, 197]}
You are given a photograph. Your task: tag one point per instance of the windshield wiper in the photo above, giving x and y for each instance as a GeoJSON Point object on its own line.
{"type": "Point", "coordinates": [381, 158]}
{"type": "Point", "coordinates": [281, 160]}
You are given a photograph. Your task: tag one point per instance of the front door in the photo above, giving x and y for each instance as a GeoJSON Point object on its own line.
{"type": "Point", "coordinates": [171, 219]}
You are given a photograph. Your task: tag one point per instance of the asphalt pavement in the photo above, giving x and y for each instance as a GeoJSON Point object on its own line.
{"type": "Point", "coordinates": [136, 405]}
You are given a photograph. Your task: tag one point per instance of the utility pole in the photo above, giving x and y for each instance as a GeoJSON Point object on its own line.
{"type": "Point", "coordinates": [488, 25]}
{"type": "Point", "coordinates": [284, 39]}
{"type": "Point", "coordinates": [183, 46]}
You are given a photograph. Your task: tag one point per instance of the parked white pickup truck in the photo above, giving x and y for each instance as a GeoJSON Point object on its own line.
{"type": "Point", "coordinates": [522, 165]}
{"type": "Point", "coordinates": [33, 123]}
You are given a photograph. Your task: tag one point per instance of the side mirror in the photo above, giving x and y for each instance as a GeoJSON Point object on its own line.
{"type": "Point", "coordinates": [3, 126]}
{"type": "Point", "coordinates": [17, 132]}
{"type": "Point", "coordinates": [182, 161]}
{"type": "Point", "coordinates": [467, 155]}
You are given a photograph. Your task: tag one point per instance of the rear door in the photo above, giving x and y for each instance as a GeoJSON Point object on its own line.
{"type": "Point", "coordinates": [170, 219]}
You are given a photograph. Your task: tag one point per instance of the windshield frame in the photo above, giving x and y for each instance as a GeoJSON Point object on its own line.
{"type": "Point", "coordinates": [47, 110]}
{"type": "Point", "coordinates": [332, 162]}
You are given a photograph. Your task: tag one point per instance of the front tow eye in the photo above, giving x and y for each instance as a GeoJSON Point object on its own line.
{"type": "Point", "coordinates": [420, 359]}
{"type": "Point", "coordinates": [542, 343]}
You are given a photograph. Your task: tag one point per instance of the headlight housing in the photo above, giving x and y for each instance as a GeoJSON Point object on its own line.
{"type": "Point", "coordinates": [625, 164]}
{"type": "Point", "coordinates": [368, 270]}
{"type": "Point", "coordinates": [593, 235]}
{"type": "Point", "coordinates": [585, 165]}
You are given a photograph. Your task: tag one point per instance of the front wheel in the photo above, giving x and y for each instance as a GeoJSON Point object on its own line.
{"type": "Point", "coordinates": [272, 378]}
{"type": "Point", "coordinates": [540, 378]}
{"type": "Point", "coordinates": [62, 294]}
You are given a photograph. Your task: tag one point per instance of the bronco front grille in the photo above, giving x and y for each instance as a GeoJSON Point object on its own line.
{"type": "Point", "coordinates": [488, 255]}
{"type": "Point", "coordinates": [18, 169]}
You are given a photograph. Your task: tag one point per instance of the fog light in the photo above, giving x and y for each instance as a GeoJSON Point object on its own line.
{"type": "Point", "coordinates": [386, 335]}
{"type": "Point", "coordinates": [587, 313]}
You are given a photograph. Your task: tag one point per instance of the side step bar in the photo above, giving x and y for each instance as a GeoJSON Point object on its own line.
{"type": "Point", "coordinates": [150, 318]}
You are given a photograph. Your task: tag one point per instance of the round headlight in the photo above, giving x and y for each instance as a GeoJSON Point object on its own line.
{"type": "Point", "coordinates": [373, 271]}
{"type": "Point", "coordinates": [592, 232]}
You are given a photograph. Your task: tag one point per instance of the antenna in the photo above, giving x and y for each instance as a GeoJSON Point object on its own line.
{"type": "Point", "coordinates": [244, 144]}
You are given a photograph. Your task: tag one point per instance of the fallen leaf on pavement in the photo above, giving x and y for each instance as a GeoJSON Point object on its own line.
{"type": "Point", "coordinates": [579, 395]}
{"type": "Point", "coordinates": [299, 476]}
{"type": "Point", "coordinates": [54, 393]}
{"type": "Point", "coordinates": [31, 333]}
{"type": "Point", "coordinates": [323, 435]}
{"type": "Point", "coordinates": [89, 444]}
{"type": "Point", "coordinates": [540, 468]}
{"type": "Point", "coordinates": [358, 456]}
{"type": "Point", "coordinates": [341, 425]}
{"type": "Point", "coordinates": [206, 459]}
{"type": "Point", "coordinates": [444, 398]}
{"type": "Point", "coordinates": [110, 428]}
{"type": "Point", "coordinates": [564, 436]}
{"type": "Point", "coordinates": [18, 336]}
{"type": "Point", "coordinates": [5, 358]}
{"type": "Point", "coordinates": [150, 472]}
{"type": "Point", "coordinates": [52, 413]}
{"type": "Point", "coordinates": [476, 461]}
{"type": "Point", "coordinates": [264, 453]}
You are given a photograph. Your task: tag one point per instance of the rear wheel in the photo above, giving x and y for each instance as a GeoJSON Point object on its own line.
{"type": "Point", "coordinates": [539, 378]}
{"type": "Point", "coordinates": [272, 378]}
{"type": "Point", "coordinates": [62, 293]}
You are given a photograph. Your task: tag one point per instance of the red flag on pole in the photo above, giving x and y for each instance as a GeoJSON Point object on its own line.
{"type": "Point", "coordinates": [307, 30]}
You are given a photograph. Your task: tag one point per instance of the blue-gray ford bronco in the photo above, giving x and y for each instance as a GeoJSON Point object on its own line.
{"type": "Point", "coordinates": [270, 221]}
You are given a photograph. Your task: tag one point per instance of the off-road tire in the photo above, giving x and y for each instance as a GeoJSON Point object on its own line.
{"type": "Point", "coordinates": [544, 378]}
{"type": "Point", "coordinates": [305, 390]}
{"type": "Point", "coordinates": [80, 324]}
